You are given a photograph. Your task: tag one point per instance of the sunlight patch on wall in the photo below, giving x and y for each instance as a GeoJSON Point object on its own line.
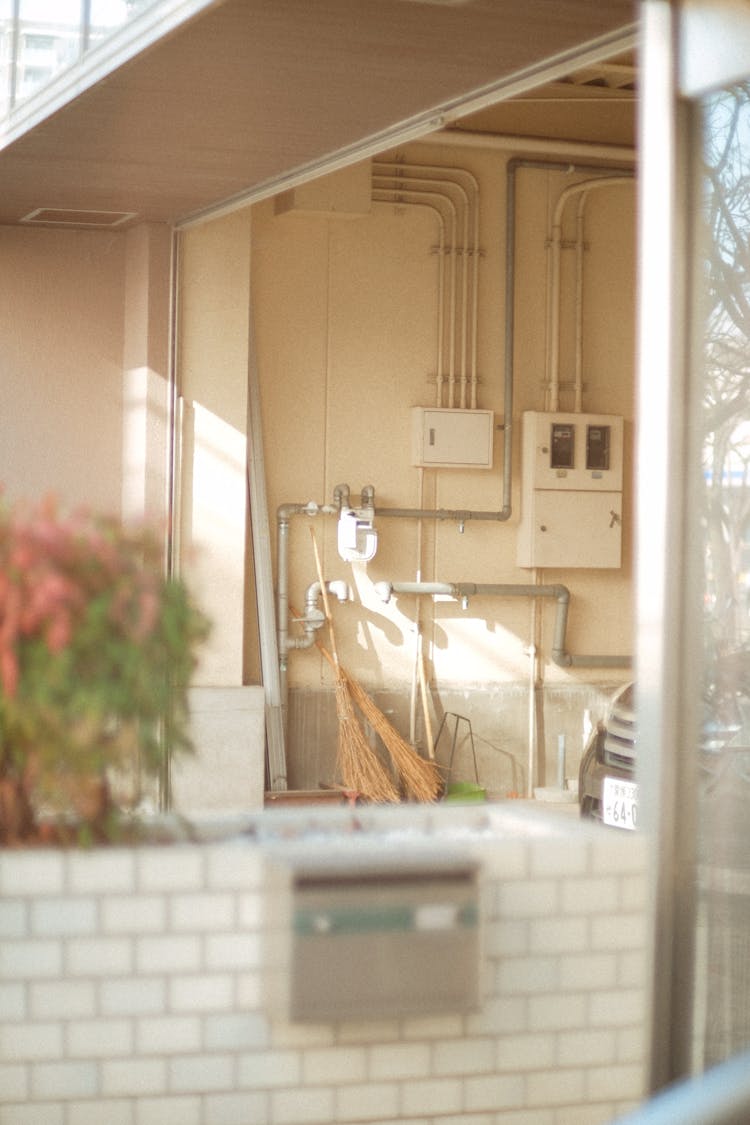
{"type": "Point", "coordinates": [214, 500]}
{"type": "Point", "coordinates": [144, 445]}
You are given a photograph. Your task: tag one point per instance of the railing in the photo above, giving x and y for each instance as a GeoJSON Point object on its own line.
{"type": "Point", "coordinates": [721, 1096]}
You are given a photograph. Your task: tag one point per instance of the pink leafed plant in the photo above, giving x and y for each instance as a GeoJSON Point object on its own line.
{"type": "Point", "coordinates": [97, 649]}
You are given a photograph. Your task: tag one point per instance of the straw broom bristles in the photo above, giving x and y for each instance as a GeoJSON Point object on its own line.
{"type": "Point", "coordinates": [420, 779]}
{"type": "Point", "coordinates": [359, 766]}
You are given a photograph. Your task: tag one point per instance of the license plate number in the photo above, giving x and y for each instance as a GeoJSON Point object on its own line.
{"type": "Point", "coordinates": [620, 803]}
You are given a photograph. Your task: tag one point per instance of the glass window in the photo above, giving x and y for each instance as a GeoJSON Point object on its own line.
{"type": "Point", "coordinates": [6, 49]}
{"type": "Point", "coordinates": [721, 408]}
{"type": "Point", "coordinates": [49, 40]}
{"type": "Point", "coordinates": [107, 15]}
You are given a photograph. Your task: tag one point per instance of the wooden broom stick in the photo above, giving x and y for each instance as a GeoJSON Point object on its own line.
{"type": "Point", "coordinates": [360, 767]}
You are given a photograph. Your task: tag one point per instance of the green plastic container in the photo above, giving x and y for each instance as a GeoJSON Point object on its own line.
{"type": "Point", "coordinates": [465, 791]}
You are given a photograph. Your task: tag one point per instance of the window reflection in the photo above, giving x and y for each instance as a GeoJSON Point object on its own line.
{"type": "Point", "coordinates": [723, 383]}
{"type": "Point", "coordinates": [46, 37]}
{"type": "Point", "coordinates": [49, 40]}
{"type": "Point", "coordinates": [6, 53]}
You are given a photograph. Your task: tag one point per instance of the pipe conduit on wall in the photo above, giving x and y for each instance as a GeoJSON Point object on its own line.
{"type": "Point", "coordinates": [394, 177]}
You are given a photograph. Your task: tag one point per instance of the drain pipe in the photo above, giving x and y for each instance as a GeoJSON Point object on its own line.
{"type": "Point", "coordinates": [284, 515]}
{"type": "Point", "coordinates": [462, 591]}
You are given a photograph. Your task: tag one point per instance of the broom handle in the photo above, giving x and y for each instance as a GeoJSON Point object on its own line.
{"type": "Point", "coordinates": [326, 605]}
{"type": "Point", "coordinates": [425, 705]}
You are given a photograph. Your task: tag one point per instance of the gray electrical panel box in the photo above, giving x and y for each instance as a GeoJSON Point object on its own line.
{"type": "Point", "coordinates": [380, 943]}
{"type": "Point", "coordinates": [571, 490]}
{"type": "Point", "coordinates": [443, 438]}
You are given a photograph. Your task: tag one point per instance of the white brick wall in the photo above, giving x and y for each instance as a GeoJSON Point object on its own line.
{"type": "Point", "coordinates": [131, 987]}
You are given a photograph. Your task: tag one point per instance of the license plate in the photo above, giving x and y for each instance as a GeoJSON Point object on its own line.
{"type": "Point", "coordinates": [620, 803]}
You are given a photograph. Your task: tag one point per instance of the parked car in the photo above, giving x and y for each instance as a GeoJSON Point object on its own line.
{"type": "Point", "coordinates": [607, 786]}
{"type": "Point", "coordinates": [607, 789]}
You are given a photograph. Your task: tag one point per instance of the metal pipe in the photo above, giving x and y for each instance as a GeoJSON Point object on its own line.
{"type": "Point", "coordinates": [532, 752]}
{"type": "Point", "coordinates": [401, 177]}
{"type": "Point", "coordinates": [402, 193]}
{"type": "Point", "coordinates": [416, 677]}
{"type": "Point", "coordinates": [720, 1096]}
{"type": "Point", "coordinates": [440, 171]}
{"type": "Point", "coordinates": [284, 514]}
{"type": "Point", "coordinates": [585, 186]}
{"type": "Point", "coordinates": [261, 536]}
{"type": "Point", "coordinates": [462, 591]}
{"type": "Point", "coordinates": [578, 376]}
{"type": "Point", "coordinates": [376, 194]}
{"type": "Point", "coordinates": [575, 150]}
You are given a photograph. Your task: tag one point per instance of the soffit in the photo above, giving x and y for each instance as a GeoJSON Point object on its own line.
{"type": "Point", "coordinates": [252, 89]}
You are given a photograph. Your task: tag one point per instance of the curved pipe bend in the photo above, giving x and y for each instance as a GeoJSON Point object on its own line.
{"type": "Point", "coordinates": [464, 590]}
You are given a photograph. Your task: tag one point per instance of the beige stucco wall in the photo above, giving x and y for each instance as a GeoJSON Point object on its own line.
{"type": "Point", "coordinates": [212, 349]}
{"type": "Point", "coordinates": [345, 311]}
{"type": "Point", "coordinates": [61, 358]}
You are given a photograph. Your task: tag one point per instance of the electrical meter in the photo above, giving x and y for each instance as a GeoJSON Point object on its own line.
{"type": "Point", "coordinates": [571, 490]}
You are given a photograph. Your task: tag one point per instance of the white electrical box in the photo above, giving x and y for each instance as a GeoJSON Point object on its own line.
{"type": "Point", "coordinates": [443, 438]}
{"type": "Point", "coordinates": [571, 491]}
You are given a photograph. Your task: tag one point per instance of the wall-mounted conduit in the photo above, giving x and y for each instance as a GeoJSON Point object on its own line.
{"type": "Point", "coordinates": [582, 189]}
{"type": "Point", "coordinates": [395, 182]}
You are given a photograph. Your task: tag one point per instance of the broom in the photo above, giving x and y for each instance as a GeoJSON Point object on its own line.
{"type": "Point", "coordinates": [420, 779]}
{"type": "Point", "coordinates": [357, 763]}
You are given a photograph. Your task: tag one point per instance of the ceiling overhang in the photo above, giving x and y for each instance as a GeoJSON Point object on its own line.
{"type": "Point", "coordinates": [251, 93]}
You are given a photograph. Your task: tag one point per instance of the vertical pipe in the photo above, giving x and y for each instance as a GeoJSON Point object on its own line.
{"type": "Point", "coordinates": [554, 318]}
{"type": "Point", "coordinates": [436, 174]}
{"type": "Point", "coordinates": [561, 761]}
{"type": "Point", "coordinates": [417, 621]}
{"type": "Point", "coordinates": [269, 653]}
{"type": "Point", "coordinates": [532, 751]}
{"type": "Point", "coordinates": [578, 378]}
{"type": "Point", "coordinates": [475, 299]}
{"type": "Point", "coordinates": [422, 192]}
{"type": "Point", "coordinates": [584, 186]}
{"type": "Point", "coordinates": [399, 195]}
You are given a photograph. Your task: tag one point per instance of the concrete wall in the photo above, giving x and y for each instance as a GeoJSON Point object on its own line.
{"type": "Point", "coordinates": [133, 984]}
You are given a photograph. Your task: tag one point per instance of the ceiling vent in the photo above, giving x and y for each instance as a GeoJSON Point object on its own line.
{"type": "Point", "coordinates": [73, 217]}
